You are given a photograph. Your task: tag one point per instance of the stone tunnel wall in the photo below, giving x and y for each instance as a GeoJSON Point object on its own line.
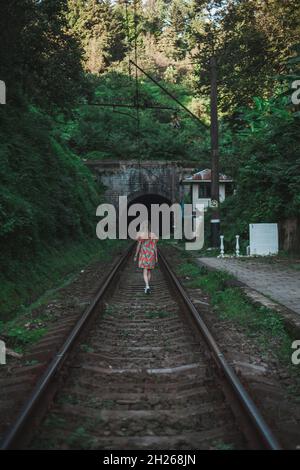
{"type": "Point", "coordinates": [134, 179]}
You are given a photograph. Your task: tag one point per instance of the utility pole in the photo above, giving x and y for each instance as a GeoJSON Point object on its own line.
{"type": "Point", "coordinates": [214, 138]}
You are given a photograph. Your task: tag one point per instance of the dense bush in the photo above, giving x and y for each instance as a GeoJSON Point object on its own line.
{"type": "Point", "coordinates": [46, 194]}
{"type": "Point", "coordinates": [263, 157]}
{"type": "Point", "coordinates": [119, 133]}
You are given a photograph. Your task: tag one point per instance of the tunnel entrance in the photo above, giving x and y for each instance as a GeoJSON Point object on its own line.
{"type": "Point", "coordinates": [148, 200]}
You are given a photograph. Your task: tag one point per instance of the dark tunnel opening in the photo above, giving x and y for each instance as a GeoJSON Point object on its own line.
{"type": "Point", "coordinates": [148, 200]}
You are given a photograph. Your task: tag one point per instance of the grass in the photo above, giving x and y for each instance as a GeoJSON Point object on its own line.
{"type": "Point", "coordinates": [43, 278]}
{"type": "Point", "coordinates": [31, 362]}
{"type": "Point", "coordinates": [210, 252]}
{"type": "Point", "coordinates": [220, 445]}
{"type": "Point", "coordinates": [24, 329]}
{"type": "Point", "coordinates": [52, 267]}
{"type": "Point", "coordinates": [157, 314]}
{"type": "Point", "coordinates": [125, 333]}
{"type": "Point", "coordinates": [86, 348]}
{"type": "Point", "coordinates": [282, 258]}
{"type": "Point", "coordinates": [21, 336]}
{"type": "Point", "coordinates": [67, 399]}
{"type": "Point", "coordinates": [199, 277]}
{"type": "Point", "coordinates": [295, 266]}
{"type": "Point", "coordinates": [110, 310]}
{"type": "Point", "coordinates": [264, 325]}
{"type": "Point", "coordinates": [80, 438]}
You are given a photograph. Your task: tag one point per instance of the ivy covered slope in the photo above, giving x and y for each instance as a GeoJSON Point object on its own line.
{"type": "Point", "coordinates": [47, 196]}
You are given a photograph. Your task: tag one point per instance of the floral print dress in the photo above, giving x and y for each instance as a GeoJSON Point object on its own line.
{"type": "Point", "coordinates": [147, 256]}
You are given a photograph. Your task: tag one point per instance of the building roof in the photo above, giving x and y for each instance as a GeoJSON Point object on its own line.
{"type": "Point", "coordinates": [205, 175]}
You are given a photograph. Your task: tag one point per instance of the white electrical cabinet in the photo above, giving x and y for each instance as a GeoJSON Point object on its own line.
{"type": "Point", "coordinates": [263, 239]}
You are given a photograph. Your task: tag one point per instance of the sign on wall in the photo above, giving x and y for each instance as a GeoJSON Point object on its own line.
{"type": "Point", "coordinates": [263, 239]}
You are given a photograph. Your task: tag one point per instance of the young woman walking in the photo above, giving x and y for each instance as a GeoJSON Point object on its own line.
{"type": "Point", "coordinates": [147, 250]}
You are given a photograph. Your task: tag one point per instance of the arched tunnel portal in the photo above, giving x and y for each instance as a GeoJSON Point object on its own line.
{"type": "Point", "coordinates": [148, 199]}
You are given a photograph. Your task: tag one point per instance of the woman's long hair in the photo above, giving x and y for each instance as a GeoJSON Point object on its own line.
{"type": "Point", "coordinates": [145, 227]}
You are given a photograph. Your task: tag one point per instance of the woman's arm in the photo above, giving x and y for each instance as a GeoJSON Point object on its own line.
{"type": "Point", "coordinates": [137, 249]}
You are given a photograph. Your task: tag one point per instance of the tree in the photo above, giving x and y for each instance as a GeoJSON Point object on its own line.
{"type": "Point", "coordinates": [100, 28]}
{"type": "Point", "coordinates": [36, 49]}
{"type": "Point", "coordinates": [250, 40]}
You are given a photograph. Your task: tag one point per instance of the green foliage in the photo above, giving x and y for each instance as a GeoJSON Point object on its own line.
{"type": "Point", "coordinates": [40, 60]}
{"type": "Point", "coordinates": [188, 269]}
{"type": "Point", "coordinates": [20, 336]}
{"type": "Point", "coordinates": [46, 192]}
{"type": "Point", "coordinates": [220, 445]}
{"type": "Point", "coordinates": [263, 158]}
{"type": "Point", "coordinates": [259, 144]}
{"type": "Point", "coordinates": [230, 304]}
{"type": "Point", "coordinates": [54, 264]}
{"type": "Point", "coordinates": [104, 132]}
{"type": "Point", "coordinates": [37, 282]}
{"type": "Point", "coordinates": [210, 282]}
{"type": "Point", "coordinates": [250, 40]}
{"type": "Point", "coordinates": [81, 438]}
{"type": "Point", "coordinates": [100, 29]}
{"type": "Point", "coordinates": [153, 314]}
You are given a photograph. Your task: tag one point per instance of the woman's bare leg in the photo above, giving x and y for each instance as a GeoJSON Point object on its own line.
{"type": "Point", "coordinates": [149, 275]}
{"type": "Point", "coordinates": [145, 276]}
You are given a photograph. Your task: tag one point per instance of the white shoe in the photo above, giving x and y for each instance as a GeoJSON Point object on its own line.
{"type": "Point", "coordinates": [147, 290]}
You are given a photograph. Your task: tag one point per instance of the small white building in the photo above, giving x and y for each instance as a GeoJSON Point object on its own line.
{"type": "Point", "coordinates": [199, 186]}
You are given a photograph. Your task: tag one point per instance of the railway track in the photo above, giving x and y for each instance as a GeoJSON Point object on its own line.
{"type": "Point", "coordinates": [139, 372]}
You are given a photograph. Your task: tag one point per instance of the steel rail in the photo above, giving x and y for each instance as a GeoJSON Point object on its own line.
{"type": "Point", "coordinates": [14, 434]}
{"type": "Point", "coordinates": [260, 427]}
